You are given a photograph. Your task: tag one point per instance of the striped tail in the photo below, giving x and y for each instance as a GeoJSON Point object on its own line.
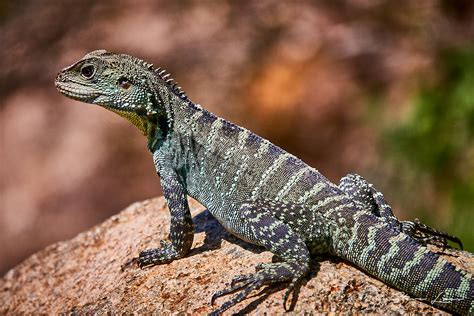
{"type": "Point", "coordinates": [398, 260]}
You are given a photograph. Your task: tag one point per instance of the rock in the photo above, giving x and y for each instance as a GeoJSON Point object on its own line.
{"type": "Point", "coordinates": [84, 275]}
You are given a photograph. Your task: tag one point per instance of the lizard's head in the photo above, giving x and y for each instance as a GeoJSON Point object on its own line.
{"type": "Point", "coordinates": [115, 81]}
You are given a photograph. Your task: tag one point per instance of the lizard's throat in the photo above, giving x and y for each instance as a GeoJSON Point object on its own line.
{"type": "Point", "coordinates": [143, 123]}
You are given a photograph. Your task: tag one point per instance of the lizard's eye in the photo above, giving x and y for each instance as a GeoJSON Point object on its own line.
{"type": "Point", "coordinates": [88, 71]}
{"type": "Point", "coordinates": [124, 83]}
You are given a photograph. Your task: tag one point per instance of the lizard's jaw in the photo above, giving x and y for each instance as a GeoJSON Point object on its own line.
{"type": "Point", "coordinates": [77, 91]}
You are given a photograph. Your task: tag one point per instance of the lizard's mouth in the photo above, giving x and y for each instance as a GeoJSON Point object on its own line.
{"type": "Point", "coordinates": [76, 91]}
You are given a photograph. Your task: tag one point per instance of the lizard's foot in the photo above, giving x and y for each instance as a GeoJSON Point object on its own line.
{"type": "Point", "coordinates": [267, 274]}
{"type": "Point", "coordinates": [366, 197]}
{"type": "Point", "coordinates": [166, 253]}
{"type": "Point", "coordinates": [427, 235]}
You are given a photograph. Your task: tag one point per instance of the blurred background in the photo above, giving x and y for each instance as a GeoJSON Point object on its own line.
{"type": "Point", "coordinates": [381, 88]}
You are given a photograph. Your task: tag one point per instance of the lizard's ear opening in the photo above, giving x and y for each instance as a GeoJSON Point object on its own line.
{"type": "Point", "coordinates": [124, 83]}
{"type": "Point", "coordinates": [88, 71]}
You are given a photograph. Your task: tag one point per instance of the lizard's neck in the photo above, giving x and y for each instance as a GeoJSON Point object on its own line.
{"type": "Point", "coordinates": [157, 130]}
{"type": "Point", "coordinates": [169, 122]}
{"type": "Point", "coordinates": [154, 127]}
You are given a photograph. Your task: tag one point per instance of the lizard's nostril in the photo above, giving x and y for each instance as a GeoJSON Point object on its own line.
{"type": "Point", "coordinates": [59, 77]}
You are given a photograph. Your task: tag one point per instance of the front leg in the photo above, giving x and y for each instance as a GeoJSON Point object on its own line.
{"type": "Point", "coordinates": [181, 229]}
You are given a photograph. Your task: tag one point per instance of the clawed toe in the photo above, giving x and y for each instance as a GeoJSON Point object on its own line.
{"type": "Point", "coordinates": [267, 275]}
{"type": "Point", "coordinates": [429, 235]}
{"type": "Point", "coordinates": [245, 288]}
{"type": "Point", "coordinates": [129, 263]}
{"type": "Point", "coordinates": [240, 278]}
{"type": "Point", "coordinates": [244, 280]}
{"type": "Point", "coordinates": [292, 288]}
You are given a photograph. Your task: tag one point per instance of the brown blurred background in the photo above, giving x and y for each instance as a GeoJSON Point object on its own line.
{"type": "Point", "coordinates": [382, 88]}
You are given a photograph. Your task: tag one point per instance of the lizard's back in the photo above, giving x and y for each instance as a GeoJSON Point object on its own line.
{"type": "Point", "coordinates": [236, 166]}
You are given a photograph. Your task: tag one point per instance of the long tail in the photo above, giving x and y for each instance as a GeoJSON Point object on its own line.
{"type": "Point", "coordinates": [398, 260]}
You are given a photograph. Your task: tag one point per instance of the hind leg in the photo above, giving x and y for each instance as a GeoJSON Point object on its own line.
{"type": "Point", "coordinates": [259, 225]}
{"type": "Point", "coordinates": [365, 196]}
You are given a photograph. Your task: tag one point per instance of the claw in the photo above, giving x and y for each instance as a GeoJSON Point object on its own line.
{"type": "Point", "coordinates": [287, 295]}
{"type": "Point", "coordinates": [233, 287]}
{"type": "Point", "coordinates": [248, 288]}
{"type": "Point", "coordinates": [292, 288]}
{"type": "Point", "coordinates": [436, 237]}
{"type": "Point", "coordinates": [129, 263]}
{"type": "Point", "coordinates": [428, 235]}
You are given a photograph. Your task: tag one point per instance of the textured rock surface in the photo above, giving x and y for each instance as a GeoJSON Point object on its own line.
{"type": "Point", "coordinates": [84, 274]}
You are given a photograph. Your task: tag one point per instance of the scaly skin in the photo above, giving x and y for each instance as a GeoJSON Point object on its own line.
{"type": "Point", "coordinates": [261, 193]}
{"type": "Point", "coordinates": [366, 197]}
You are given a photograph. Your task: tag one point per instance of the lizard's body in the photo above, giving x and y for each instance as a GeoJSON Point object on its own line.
{"type": "Point", "coordinates": [259, 192]}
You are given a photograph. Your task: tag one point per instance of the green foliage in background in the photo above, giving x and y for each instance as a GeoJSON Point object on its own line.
{"type": "Point", "coordinates": [435, 144]}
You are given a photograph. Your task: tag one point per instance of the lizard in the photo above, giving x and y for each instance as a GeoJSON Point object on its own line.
{"type": "Point", "coordinates": [261, 193]}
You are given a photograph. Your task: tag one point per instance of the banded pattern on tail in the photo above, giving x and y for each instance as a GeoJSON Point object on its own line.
{"type": "Point", "coordinates": [400, 261]}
